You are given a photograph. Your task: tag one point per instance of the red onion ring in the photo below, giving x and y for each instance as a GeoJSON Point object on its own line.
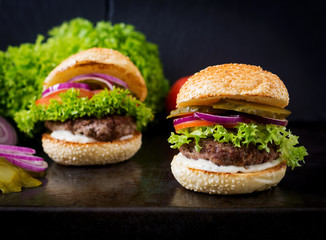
{"type": "Point", "coordinates": [21, 156]}
{"type": "Point", "coordinates": [8, 135]}
{"type": "Point", "coordinates": [220, 119]}
{"type": "Point", "coordinates": [100, 78]}
{"type": "Point", "coordinates": [16, 149]}
{"type": "Point", "coordinates": [35, 166]}
{"type": "Point", "coordinates": [265, 120]}
{"type": "Point", "coordinates": [111, 79]}
{"type": "Point", "coordinates": [61, 86]}
{"type": "Point", "coordinates": [184, 119]}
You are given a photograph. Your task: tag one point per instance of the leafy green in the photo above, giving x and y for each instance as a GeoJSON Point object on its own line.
{"type": "Point", "coordinates": [23, 68]}
{"type": "Point", "coordinates": [243, 135]}
{"type": "Point", "coordinates": [117, 101]}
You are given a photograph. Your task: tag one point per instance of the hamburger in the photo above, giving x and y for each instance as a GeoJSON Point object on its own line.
{"type": "Point", "coordinates": [230, 124]}
{"type": "Point", "coordinates": [92, 107]}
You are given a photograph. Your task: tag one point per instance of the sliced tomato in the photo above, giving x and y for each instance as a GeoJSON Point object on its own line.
{"type": "Point", "coordinates": [56, 96]}
{"type": "Point", "coordinates": [194, 123]}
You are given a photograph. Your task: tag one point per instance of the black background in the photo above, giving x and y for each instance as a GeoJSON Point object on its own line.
{"type": "Point", "coordinates": [284, 37]}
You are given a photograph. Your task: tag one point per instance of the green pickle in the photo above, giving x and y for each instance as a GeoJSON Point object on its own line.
{"type": "Point", "coordinates": [225, 105]}
{"type": "Point", "coordinates": [252, 108]}
{"type": "Point", "coordinates": [13, 178]}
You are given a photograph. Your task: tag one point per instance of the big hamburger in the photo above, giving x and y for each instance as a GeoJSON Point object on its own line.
{"type": "Point", "coordinates": [92, 107]}
{"type": "Point", "coordinates": [231, 131]}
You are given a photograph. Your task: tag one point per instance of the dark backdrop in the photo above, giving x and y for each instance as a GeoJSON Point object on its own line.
{"type": "Point", "coordinates": [284, 37]}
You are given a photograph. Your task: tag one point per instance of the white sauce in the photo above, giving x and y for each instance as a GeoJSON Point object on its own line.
{"type": "Point", "coordinates": [206, 165]}
{"type": "Point", "coordinates": [126, 137]}
{"type": "Point", "coordinates": [70, 137]}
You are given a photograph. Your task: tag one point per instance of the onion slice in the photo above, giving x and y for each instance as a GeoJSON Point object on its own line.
{"type": "Point", "coordinates": [23, 157]}
{"type": "Point", "coordinates": [266, 120]}
{"type": "Point", "coordinates": [8, 135]}
{"type": "Point", "coordinates": [61, 86]}
{"type": "Point", "coordinates": [103, 80]}
{"type": "Point", "coordinates": [16, 149]}
{"type": "Point", "coordinates": [236, 119]}
{"type": "Point", "coordinates": [229, 121]}
{"type": "Point", "coordinates": [184, 119]}
{"type": "Point", "coordinates": [35, 166]}
{"type": "Point", "coordinates": [220, 119]}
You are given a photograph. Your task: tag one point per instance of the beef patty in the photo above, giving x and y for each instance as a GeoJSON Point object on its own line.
{"type": "Point", "coordinates": [226, 154]}
{"type": "Point", "coordinates": [104, 129]}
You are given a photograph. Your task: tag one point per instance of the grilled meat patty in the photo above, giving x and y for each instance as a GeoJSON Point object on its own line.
{"type": "Point", "coordinates": [226, 154]}
{"type": "Point", "coordinates": [104, 129]}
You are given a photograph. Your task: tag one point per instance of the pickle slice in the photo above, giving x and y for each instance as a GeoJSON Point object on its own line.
{"type": "Point", "coordinates": [191, 109]}
{"type": "Point", "coordinates": [252, 108]}
{"type": "Point", "coordinates": [13, 178]}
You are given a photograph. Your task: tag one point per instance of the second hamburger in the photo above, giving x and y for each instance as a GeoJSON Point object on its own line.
{"type": "Point", "coordinates": [92, 106]}
{"type": "Point", "coordinates": [231, 131]}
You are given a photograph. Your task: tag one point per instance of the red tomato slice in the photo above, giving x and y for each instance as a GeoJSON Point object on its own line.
{"type": "Point", "coordinates": [56, 96]}
{"type": "Point", "coordinates": [194, 123]}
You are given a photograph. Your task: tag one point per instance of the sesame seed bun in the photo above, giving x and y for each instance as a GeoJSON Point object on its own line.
{"type": "Point", "coordinates": [233, 81]}
{"type": "Point", "coordinates": [226, 183]}
{"type": "Point", "coordinates": [94, 153]}
{"type": "Point", "coordinates": [99, 60]}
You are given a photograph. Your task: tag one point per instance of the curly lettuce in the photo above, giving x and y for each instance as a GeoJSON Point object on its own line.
{"type": "Point", "coordinates": [23, 68]}
{"type": "Point", "coordinates": [71, 106]}
{"type": "Point", "coordinates": [243, 135]}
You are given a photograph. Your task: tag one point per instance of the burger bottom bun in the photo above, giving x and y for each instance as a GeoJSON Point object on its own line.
{"type": "Point", "coordinates": [94, 153]}
{"type": "Point", "coordinates": [226, 183]}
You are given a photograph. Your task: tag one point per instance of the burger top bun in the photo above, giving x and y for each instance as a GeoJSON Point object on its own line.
{"type": "Point", "coordinates": [233, 81]}
{"type": "Point", "coordinates": [99, 60]}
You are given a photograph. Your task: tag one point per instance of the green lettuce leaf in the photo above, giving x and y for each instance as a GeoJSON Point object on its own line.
{"type": "Point", "coordinates": [243, 135]}
{"type": "Point", "coordinates": [118, 101]}
{"type": "Point", "coordinates": [23, 68]}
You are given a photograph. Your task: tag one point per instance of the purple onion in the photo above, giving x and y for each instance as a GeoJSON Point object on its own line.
{"type": "Point", "coordinates": [220, 119]}
{"type": "Point", "coordinates": [8, 135]}
{"type": "Point", "coordinates": [61, 86]}
{"type": "Point", "coordinates": [265, 120]}
{"type": "Point", "coordinates": [35, 166]}
{"type": "Point", "coordinates": [21, 156]}
{"type": "Point", "coordinates": [105, 79]}
{"type": "Point", "coordinates": [16, 149]}
{"type": "Point", "coordinates": [184, 119]}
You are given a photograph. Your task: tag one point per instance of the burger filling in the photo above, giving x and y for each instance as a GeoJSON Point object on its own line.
{"type": "Point", "coordinates": [226, 154]}
{"type": "Point", "coordinates": [244, 144]}
{"type": "Point", "coordinates": [103, 116]}
{"type": "Point", "coordinates": [105, 129]}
